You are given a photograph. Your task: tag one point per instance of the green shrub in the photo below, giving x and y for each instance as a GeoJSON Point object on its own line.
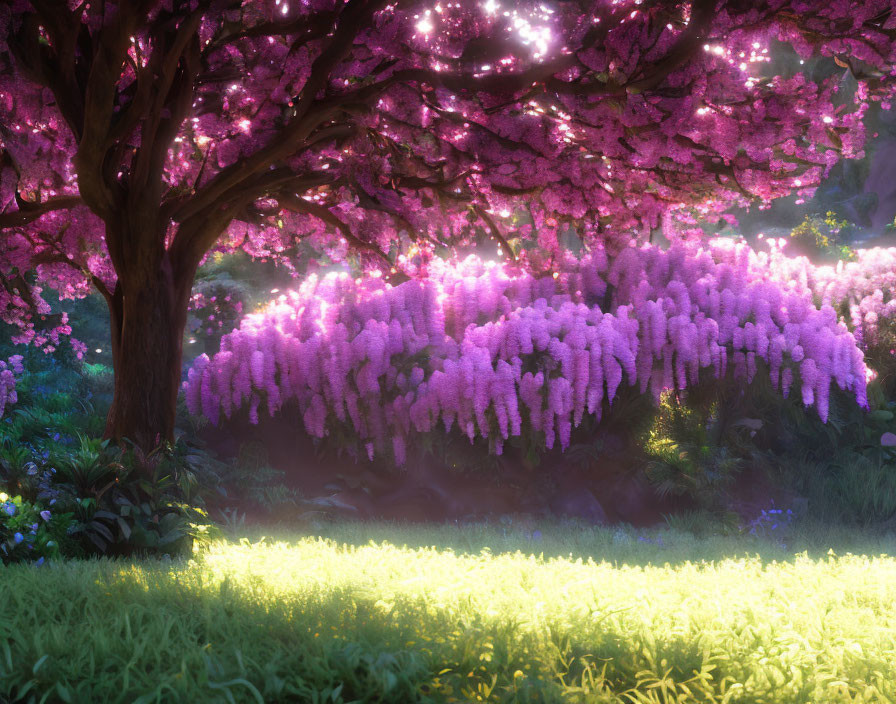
{"type": "Point", "coordinates": [29, 533]}
{"type": "Point", "coordinates": [822, 238]}
{"type": "Point", "coordinates": [117, 501]}
{"type": "Point", "coordinates": [683, 456]}
{"type": "Point", "coordinates": [126, 501]}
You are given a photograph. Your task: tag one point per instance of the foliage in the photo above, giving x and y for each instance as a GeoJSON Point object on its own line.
{"type": "Point", "coordinates": [90, 468]}
{"type": "Point", "coordinates": [60, 399]}
{"type": "Point", "coordinates": [684, 453]}
{"type": "Point", "coordinates": [822, 237]}
{"type": "Point", "coordinates": [847, 475]}
{"type": "Point", "coordinates": [128, 501]}
{"type": "Point", "coordinates": [57, 394]}
{"type": "Point", "coordinates": [29, 533]}
{"type": "Point", "coordinates": [842, 469]}
{"type": "Point", "coordinates": [99, 379]}
{"type": "Point", "coordinates": [250, 480]}
{"type": "Point", "coordinates": [106, 499]}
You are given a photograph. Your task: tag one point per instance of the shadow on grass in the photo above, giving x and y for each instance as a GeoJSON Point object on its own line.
{"type": "Point", "coordinates": [106, 631]}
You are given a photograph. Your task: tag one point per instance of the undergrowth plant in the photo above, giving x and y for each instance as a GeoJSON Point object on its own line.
{"type": "Point", "coordinates": [29, 533]}
{"type": "Point", "coordinates": [91, 496]}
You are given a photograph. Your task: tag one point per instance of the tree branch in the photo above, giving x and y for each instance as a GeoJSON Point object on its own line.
{"type": "Point", "coordinates": [29, 212]}
{"type": "Point", "coordinates": [168, 59]}
{"type": "Point", "coordinates": [300, 205]}
{"type": "Point", "coordinates": [494, 231]}
{"type": "Point", "coordinates": [198, 232]}
{"type": "Point", "coordinates": [55, 69]}
{"type": "Point", "coordinates": [304, 28]}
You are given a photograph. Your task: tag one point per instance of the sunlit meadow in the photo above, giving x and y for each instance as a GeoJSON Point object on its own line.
{"type": "Point", "coordinates": [556, 613]}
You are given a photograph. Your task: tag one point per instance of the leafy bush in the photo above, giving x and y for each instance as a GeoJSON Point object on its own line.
{"type": "Point", "coordinates": [29, 533]}
{"type": "Point", "coordinates": [844, 468]}
{"type": "Point", "coordinates": [823, 238]}
{"type": "Point", "coordinates": [851, 485]}
{"type": "Point", "coordinates": [126, 501]}
{"type": "Point", "coordinates": [684, 457]}
{"type": "Point", "coordinates": [115, 500]}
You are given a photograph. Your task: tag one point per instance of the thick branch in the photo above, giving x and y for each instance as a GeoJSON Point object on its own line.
{"type": "Point", "coordinates": [180, 56]}
{"type": "Point", "coordinates": [55, 68]}
{"type": "Point", "coordinates": [291, 141]}
{"type": "Point", "coordinates": [355, 17]}
{"type": "Point", "coordinates": [689, 43]}
{"type": "Point", "coordinates": [29, 212]}
{"type": "Point", "coordinates": [305, 29]}
{"type": "Point", "coordinates": [199, 232]}
{"type": "Point", "coordinates": [297, 135]}
{"type": "Point", "coordinates": [300, 205]}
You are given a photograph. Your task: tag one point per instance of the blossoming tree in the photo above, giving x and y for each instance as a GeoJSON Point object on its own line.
{"type": "Point", "coordinates": [139, 135]}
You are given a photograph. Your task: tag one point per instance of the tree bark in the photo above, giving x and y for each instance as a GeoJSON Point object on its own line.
{"type": "Point", "coordinates": [148, 313]}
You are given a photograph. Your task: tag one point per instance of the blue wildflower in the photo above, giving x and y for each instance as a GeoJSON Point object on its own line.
{"type": "Point", "coordinates": [18, 538]}
{"type": "Point", "coordinates": [46, 515]}
{"type": "Point", "coordinates": [10, 509]}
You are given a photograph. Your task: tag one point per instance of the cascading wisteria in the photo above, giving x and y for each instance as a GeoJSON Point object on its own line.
{"type": "Point", "coordinates": [8, 372]}
{"type": "Point", "coordinates": [501, 353]}
{"type": "Point", "coordinates": [860, 290]}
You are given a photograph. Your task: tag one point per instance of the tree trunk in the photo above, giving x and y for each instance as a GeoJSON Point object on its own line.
{"type": "Point", "coordinates": [148, 312]}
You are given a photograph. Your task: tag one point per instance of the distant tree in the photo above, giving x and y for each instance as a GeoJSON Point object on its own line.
{"type": "Point", "coordinates": [137, 136]}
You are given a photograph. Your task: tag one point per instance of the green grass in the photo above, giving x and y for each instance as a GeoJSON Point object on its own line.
{"type": "Point", "coordinates": [575, 614]}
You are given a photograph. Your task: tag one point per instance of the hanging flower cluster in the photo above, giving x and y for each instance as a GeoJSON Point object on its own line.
{"type": "Point", "coordinates": [502, 353]}
{"type": "Point", "coordinates": [8, 372]}
{"type": "Point", "coordinates": [861, 291]}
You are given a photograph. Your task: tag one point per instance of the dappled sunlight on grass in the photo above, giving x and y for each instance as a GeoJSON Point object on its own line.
{"type": "Point", "coordinates": [619, 544]}
{"type": "Point", "coordinates": [283, 619]}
